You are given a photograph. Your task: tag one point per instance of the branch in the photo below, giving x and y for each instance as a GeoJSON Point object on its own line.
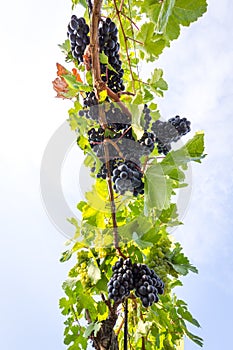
{"type": "Point", "coordinates": [143, 344]}
{"type": "Point", "coordinates": [120, 327]}
{"type": "Point", "coordinates": [94, 47]}
{"type": "Point", "coordinates": [125, 93]}
{"type": "Point", "coordinates": [136, 41]}
{"type": "Point", "coordinates": [121, 5]}
{"type": "Point", "coordinates": [130, 19]}
{"type": "Point", "coordinates": [88, 316]}
{"type": "Point", "coordinates": [126, 325]}
{"type": "Point", "coordinates": [99, 85]}
{"type": "Point", "coordinates": [111, 198]}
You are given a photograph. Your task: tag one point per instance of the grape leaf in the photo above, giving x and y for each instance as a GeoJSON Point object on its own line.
{"type": "Point", "coordinates": [158, 188]}
{"type": "Point", "coordinates": [76, 85]}
{"type": "Point", "coordinates": [195, 147]}
{"type": "Point", "coordinates": [94, 272]}
{"type": "Point", "coordinates": [92, 327]}
{"type": "Point", "coordinates": [157, 83]}
{"type": "Point", "coordinates": [180, 262]}
{"type": "Point", "coordinates": [65, 47]}
{"type": "Point", "coordinates": [65, 305]}
{"type": "Point", "coordinates": [191, 151]}
{"type": "Point", "coordinates": [167, 17]}
{"type": "Point", "coordinates": [188, 11]}
{"type": "Point", "coordinates": [81, 2]}
{"type": "Point", "coordinates": [66, 255]}
{"type": "Point", "coordinates": [187, 316]}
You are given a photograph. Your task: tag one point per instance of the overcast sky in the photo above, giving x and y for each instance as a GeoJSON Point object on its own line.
{"type": "Point", "coordinates": [198, 69]}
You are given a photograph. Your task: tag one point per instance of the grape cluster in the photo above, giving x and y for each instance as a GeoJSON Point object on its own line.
{"type": "Point", "coordinates": [108, 41]}
{"type": "Point", "coordinates": [124, 150]}
{"type": "Point", "coordinates": [147, 142]}
{"type": "Point", "coordinates": [90, 99]}
{"type": "Point", "coordinates": [116, 119]}
{"type": "Point", "coordinates": [96, 138]}
{"type": "Point", "coordinates": [170, 131]}
{"type": "Point", "coordinates": [121, 282]}
{"type": "Point", "coordinates": [128, 177]}
{"type": "Point", "coordinates": [80, 270]}
{"type": "Point", "coordinates": [147, 284]}
{"type": "Point", "coordinates": [128, 276]}
{"type": "Point", "coordinates": [158, 260]}
{"type": "Point", "coordinates": [147, 117]}
{"type": "Point", "coordinates": [78, 35]}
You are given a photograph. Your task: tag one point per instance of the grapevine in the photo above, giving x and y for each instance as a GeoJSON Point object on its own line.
{"type": "Point", "coordinates": [120, 291]}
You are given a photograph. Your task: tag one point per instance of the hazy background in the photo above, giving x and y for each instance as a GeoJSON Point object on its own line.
{"type": "Point", "coordinates": [198, 69]}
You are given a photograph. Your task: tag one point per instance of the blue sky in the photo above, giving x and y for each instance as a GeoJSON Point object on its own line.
{"type": "Point", "coordinates": [198, 69]}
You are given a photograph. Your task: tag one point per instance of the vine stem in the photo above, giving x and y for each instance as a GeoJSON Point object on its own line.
{"type": "Point", "coordinates": [130, 19]}
{"type": "Point", "coordinates": [112, 201]}
{"type": "Point", "coordinates": [94, 47]}
{"type": "Point", "coordinates": [126, 326]}
{"type": "Point", "coordinates": [136, 41]}
{"type": "Point", "coordinates": [143, 343]}
{"type": "Point", "coordinates": [99, 86]}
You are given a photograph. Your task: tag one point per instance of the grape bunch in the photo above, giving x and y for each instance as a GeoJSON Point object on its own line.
{"type": "Point", "coordinates": [121, 282]}
{"type": "Point", "coordinates": [96, 138]}
{"type": "Point", "coordinates": [139, 277]}
{"type": "Point", "coordinates": [108, 41]}
{"type": "Point", "coordinates": [147, 141]}
{"type": "Point", "coordinates": [116, 119]}
{"type": "Point", "coordinates": [170, 131]}
{"type": "Point", "coordinates": [128, 177]}
{"type": "Point", "coordinates": [80, 270]}
{"type": "Point", "coordinates": [104, 171]}
{"type": "Point", "coordinates": [78, 36]}
{"type": "Point", "coordinates": [147, 117]}
{"type": "Point", "coordinates": [147, 284]}
{"type": "Point", "coordinates": [90, 99]}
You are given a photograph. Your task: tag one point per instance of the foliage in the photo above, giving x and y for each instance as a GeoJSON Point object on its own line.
{"type": "Point", "coordinates": [145, 29]}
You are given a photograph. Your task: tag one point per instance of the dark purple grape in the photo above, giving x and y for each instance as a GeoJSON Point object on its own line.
{"type": "Point", "coordinates": [119, 290]}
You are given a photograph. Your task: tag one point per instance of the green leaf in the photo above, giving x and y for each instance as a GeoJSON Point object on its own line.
{"type": "Point", "coordinates": [94, 272]}
{"type": "Point", "coordinates": [195, 147]}
{"type": "Point", "coordinates": [102, 283]}
{"type": "Point", "coordinates": [158, 188]}
{"type": "Point", "coordinates": [180, 262]}
{"type": "Point", "coordinates": [186, 315]}
{"type": "Point", "coordinates": [93, 327]}
{"type": "Point", "coordinates": [141, 243]}
{"type": "Point", "coordinates": [66, 255]}
{"type": "Point", "coordinates": [167, 18]}
{"type": "Point", "coordinates": [81, 2]}
{"type": "Point", "coordinates": [191, 151]}
{"type": "Point", "coordinates": [152, 45]}
{"type": "Point", "coordinates": [194, 338]}
{"type": "Point", "coordinates": [87, 302]}
{"type": "Point", "coordinates": [64, 304]}
{"type": "Point", "coordinates": [83, 143]}
{"type": "Point", "coordinates": [188, 11]}
{"type": "Point", "coordinates": [164, 14]}
{"type": "Point", "coordinates": [65, 47]}
{"type": "Point", "coordinates": [103, 95]}
{"type": "Point", "coordinates": [136, 112]}
{"type": "Point", "coordinates": [76, 85]}
{"type": "Point", "coordinates": [104, 60]}
{"type": "Point", "coordinates": [157, 83]}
